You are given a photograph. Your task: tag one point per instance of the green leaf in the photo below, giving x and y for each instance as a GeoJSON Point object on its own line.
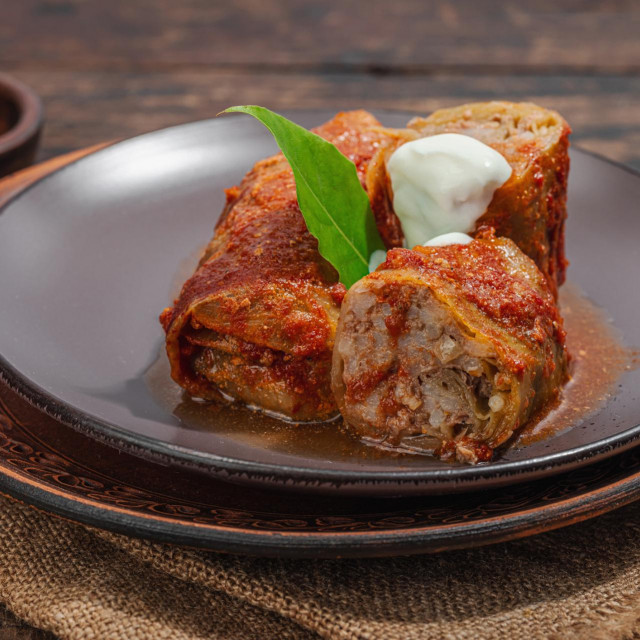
{"type": "Point", "coordinates": [335, 207]}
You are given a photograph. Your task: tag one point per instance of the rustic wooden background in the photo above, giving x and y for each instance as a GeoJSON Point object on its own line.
{"type": "Point", "coordinates": [115, 68]}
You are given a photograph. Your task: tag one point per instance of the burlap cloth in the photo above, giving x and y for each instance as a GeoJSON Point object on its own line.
{"type": "Point", "coordinates": [578, 582]}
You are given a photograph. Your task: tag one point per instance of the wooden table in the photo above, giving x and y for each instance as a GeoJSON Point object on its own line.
{"type": "Point", "coordinates": [117, 68]}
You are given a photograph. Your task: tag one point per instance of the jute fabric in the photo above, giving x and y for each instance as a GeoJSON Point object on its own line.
{"type": "Point", "coordinates": [582, 581]}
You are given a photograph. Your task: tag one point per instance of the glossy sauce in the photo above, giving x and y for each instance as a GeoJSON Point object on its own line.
{"type": "Point", "coordinates": [598, 360]}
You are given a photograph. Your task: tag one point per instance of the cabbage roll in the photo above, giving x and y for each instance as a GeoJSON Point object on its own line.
{"type": "Point", "coordinates": [257, 319]}
{"type": "Point", "coordinates": [449, 348]}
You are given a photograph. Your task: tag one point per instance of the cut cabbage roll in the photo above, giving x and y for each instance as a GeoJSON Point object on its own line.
{"type": "Point", "coordinates": [530, 208]}
{"type": "Point", "coordinates": [257, 319]}
{"type": "Point", "coordinates": [448, 348]}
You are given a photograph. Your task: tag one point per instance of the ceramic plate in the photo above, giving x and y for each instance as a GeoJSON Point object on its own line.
{"type": "Point", "coordinates": [91, 254]}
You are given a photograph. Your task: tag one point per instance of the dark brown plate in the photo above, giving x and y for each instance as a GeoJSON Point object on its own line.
{"type": "Point", "coordinates": [91, 254]}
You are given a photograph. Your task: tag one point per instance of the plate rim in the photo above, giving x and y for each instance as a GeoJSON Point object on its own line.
{"type": "Point", "coordinates": [236, 469]}
{"type": "Point", "coordinates": [503, 527]}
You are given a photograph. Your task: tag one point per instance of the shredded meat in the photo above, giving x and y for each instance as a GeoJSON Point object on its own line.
{"type": "Point", "coordinates": [431, 380]}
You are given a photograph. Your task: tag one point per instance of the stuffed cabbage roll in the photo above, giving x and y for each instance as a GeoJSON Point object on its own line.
{"type": "Point", "coordinates": [455, 346]}
{"type": "Point", "coordinates": [257, 319]}
{"type": "Point", "coordinates": [530, 208]}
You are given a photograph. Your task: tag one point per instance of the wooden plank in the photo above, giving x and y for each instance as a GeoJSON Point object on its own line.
{"type": "Point", "coordinates": [376, 35]}
{"type": "Point", "coordinates": [85, 108]}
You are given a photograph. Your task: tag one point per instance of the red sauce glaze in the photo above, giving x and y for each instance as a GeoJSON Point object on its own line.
{"type": "Point", "coordinates": [304, 380]}
{"type": "Point", "coordinates": [398, 298]}
{"type": "Point", "coordinates": [497, 279]}
{"type": "Point", "coordinates": [531, 208]}
{"type": "Point", "coordinates": [338, 292]}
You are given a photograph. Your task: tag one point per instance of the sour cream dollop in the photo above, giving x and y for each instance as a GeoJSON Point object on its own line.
{"type": "Point", "coordinates": [376, 259]}
{"type": "Point", "coordinates": [446, 239]}
{"type": "Point", "coordinates": [443, 184]}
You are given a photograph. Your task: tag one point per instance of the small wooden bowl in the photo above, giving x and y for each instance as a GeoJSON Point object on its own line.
{"type": "Point", "coordinates": [21, 116]}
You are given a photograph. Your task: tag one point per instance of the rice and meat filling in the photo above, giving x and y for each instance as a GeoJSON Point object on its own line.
{"type": "Point", "coordinates": [430, 380]}
{"type": "Point", "coordinates": [416, 353]}
{"type": "Point", "coordinates": [278, 381]}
